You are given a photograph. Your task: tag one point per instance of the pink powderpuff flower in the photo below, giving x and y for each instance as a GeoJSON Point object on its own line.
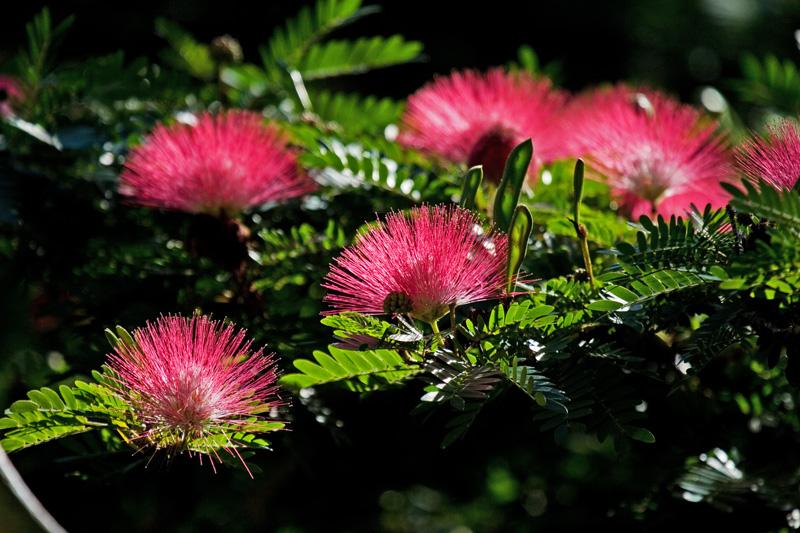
{"type": "Point", "coordinates": [190, 378]}
{"type": "Point", "coordinates": [221, 165]}
{"type": "Point", "coordinates": [474, 118]}
{"type": "Point", "coordinates": [659, 155]}
{"type": "Point", "coordinates": [10, 92]}
{"type": "Point", "coordinates": [774, 158]}
{"type": "Point", "coordinates": [419, 263]}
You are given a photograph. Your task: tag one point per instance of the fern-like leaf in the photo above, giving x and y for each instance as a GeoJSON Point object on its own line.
{"type": "Point", "coordinates": [358, 370]}
{"type": "Point", "coordinates": [186, 53]}
{"type": "Point", "coordinates": [291, 42]}
{"type": "Point", "coordinates": [280, 245]}
{"type": "Point", "coordinates": [703, 239]}
{"type": "Point", "coordinates": [456, 380]}
{"type": "Point", "coordinates": [771, 83]}
{"type": "Point", "coordinates": [355, 113]}
{"type": "Point", "coordinates": [779, 207]}
{"type": "Point", "coordinates": [48, 415]}
{"type": "Point", "coordinates": [338, 58]}
{"type": "Point", "coordinates": [645, 287]}
{"type": "Point", "coordinates": [358, 164]}
{"type": "Point", "coordinates": [537, 386]}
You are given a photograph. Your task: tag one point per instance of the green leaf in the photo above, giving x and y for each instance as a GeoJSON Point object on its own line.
{"type": "Point", "coordinates": [113, 340]}
{"type": "Point", "coordinates": [518, 233]}
{"type": "Point", "coordinates": [640, 434]}
{"type": "Point", "coordinates": [186, 53]}
{"type": "Point", "coordinates": [510, 187]}
{"type": "Point", "coordinates": [23, 406]}
{"type": "Point", "coordinates": [605, 306]}
{"type": "Point", "coordinates": [472, 182]}
{"type": "Point", "coordinates": [577, 184]}
{"type": "Point", "coordinates": [359, 370]}
{"type": "Point", "coordinates": [125, 337]}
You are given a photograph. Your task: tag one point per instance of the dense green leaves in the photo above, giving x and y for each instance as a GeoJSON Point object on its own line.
{"type": "Point", "coordinates": [280, 245]}
{"type": "Point", "coordinates": [49, 415]}
{"type": "Point", "coordinates": [371, 163]}
{"type": "Point", "coordinates": [354, 113]}
{"type": "Point", "coordinates": [691, 319]}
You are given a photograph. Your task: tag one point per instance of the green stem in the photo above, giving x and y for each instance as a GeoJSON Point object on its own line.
{"type": "Point", "coordinates": [580, 229]}
{"type": "Point", "coordinates": [436, 333]}
{"type": "Point", "coordinates": [587, 258]}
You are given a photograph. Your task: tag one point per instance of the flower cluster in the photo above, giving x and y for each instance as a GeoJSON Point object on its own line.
{"type": "Point", "coordinates": [189, 378]}
{"type": "Point", "coordinates": [419, 263]}
{"type": "Point", "coordinates": [475, 118]}
{"type": "Point", "coordinates": [774, 158]}
{"type": "Point", "coordinates": [658, 155]}
{"type": "Point", "coordinates": [222, 164]}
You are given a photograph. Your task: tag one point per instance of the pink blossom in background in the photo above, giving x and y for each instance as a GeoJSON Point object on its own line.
{"type": "Point", "coordinates": [774, 158]}
{"type": "Point", "coordinates": [660, 156]}
{"type": "Point", "coordinates": [478, 118]}
{"type": "Point", "coordinates": [10, 91]}
{"type": "Point", "coordinates": [421, 263]}
{"type": "Point", "coordinates": [186, 378]}
{"type": "Point", "coordinates": [223, 164]}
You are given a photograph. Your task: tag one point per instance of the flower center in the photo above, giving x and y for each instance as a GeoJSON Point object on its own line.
{"type": "Point", "coordinates": [650, 188]}
{"type": "Point", "coordinates": [491, 151]}
{"type": "Point", "coordinates": [650, 178]}
{"type": "Point", "coordinates": [397, 302]}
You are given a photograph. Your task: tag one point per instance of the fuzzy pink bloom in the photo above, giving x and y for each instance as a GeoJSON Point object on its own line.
{"type": "Point", "coordinates": [474, 118]}
{"type": "Point", "coordinates": [421, 263]}
{"type": "Point", "coordinates": [188, 378]}
{"type": "Point", "coordinates": [774, 158]}
{"type": "Point", "coordinates": [10, 91]}
{"type": "Point", "coordinates": [660, 156]}
{"type": "Point", "coordinates": [224, 163]}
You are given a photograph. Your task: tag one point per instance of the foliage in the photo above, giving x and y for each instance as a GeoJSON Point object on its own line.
{"type": "Point", "coordinates": [682, 337]}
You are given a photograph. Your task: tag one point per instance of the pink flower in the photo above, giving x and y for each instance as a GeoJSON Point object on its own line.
{"type": "Point", "coordinates": [659, 155]}
{"type": "Point", "coordinates": [775, 158]}
{"type": "Point", "coordinates": [223, 164]}
{"type": "Point", "coordinates": [10, 91]}
{"type": "Point", "coordinates": [475, 118]}
{"type": "Point", "coordinates": [190, 378]}
{"type": "Point", "coordinates": [420, 263]}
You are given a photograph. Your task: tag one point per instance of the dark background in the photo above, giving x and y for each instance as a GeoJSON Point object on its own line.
{"type": "Point", "coordinates": [396, 477]}
{"type": "Point", "coordinates": [674, 44]}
